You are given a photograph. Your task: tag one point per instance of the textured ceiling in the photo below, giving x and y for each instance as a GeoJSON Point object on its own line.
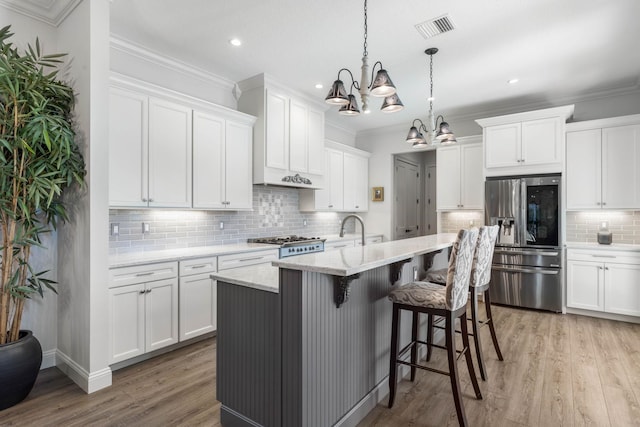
{"type": "Point", "coordinates": [559, 50]}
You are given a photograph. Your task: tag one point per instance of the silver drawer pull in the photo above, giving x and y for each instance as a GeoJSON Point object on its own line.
{"type": "Point", "coordinates": [603, 256]}
{"type": "Point", "coordinates": [250, 259]}
{"type": "Point", "coordinates": [144, 274]}
{"type": "Point", "coordinates": [199, 266]}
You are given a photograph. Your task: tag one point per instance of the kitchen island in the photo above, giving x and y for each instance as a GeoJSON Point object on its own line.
{"type": "Point", "coordinates": [305, 341]}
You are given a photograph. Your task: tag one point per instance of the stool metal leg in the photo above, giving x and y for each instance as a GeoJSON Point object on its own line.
{"type": "Point", "coordinates": [393, 369]}
{"type": "Point", "coordinates": [492, 329]}
{"type": "Point", "coordinates": [476, 333]}
{"type": "Point", "coordinates": [414, 346]}
{"type": "Point", "coordinates": [467, 353]}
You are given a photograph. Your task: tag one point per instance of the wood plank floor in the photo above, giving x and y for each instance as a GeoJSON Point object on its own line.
{"type": "Point", "coordinates": [559, 370]}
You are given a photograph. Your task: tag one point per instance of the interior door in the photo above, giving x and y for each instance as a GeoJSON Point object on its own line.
{"type": "Point", "coordinates": [407, 206]}
{"type": "Point", "coordinates": [431, 226]}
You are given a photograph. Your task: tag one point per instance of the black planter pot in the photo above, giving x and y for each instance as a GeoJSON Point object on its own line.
{"type": "Point", "coordinates": [19, 366]}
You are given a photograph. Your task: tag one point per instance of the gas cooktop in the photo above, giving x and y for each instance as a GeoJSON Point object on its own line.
{"type": "Point", "coordinates": [285, 240]}
{"type": "Point", "coordinates": [293, 245]}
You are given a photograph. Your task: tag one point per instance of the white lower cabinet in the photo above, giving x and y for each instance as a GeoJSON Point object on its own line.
{"type": "Point", "coordinates": [143, 315]}
{"type": "Point", "coordinates": [606, 281]}
{"type": "Point", "coordinates": [198, 297]}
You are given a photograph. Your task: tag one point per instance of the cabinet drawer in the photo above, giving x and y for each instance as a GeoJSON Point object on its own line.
{"type": "Point", "coordinates": [617, 257]}
{"type": "Point", "coordinates": [198, 266]}
{"type": "Point", "coordinates": [142, 273]}
{"type": "Point", "coordinates": [226, 262]}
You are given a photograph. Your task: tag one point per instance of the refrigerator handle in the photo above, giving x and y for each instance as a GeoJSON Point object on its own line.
{"type": "Point", "coordinates": [522, 213]}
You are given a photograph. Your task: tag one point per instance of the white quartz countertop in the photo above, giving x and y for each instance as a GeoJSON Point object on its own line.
{"type": "Point", "coordinates": [595, 246]}
{"type": "Point", "coordinates": [147, 257]}
{"type": "Point", "coordinates": [352, 260]}
{"type": "Point", "coordinates": [263, 277]}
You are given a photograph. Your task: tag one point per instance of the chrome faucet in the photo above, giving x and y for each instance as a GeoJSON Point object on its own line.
{"type": "Point", "coordinates": [361, 225]}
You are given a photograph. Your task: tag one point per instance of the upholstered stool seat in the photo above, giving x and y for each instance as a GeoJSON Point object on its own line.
{"type": "Point", "coordinates": [420, 294]}
{"type": "Point", "coordinates": [438, 276]}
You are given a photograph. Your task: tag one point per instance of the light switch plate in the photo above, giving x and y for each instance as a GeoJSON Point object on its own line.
{"type": "Point", "coordinates": [115, 229]}
{"type": "Point", "coordinates": [146, 228]}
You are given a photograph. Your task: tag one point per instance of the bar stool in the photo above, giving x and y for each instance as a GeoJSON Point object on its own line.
{"type": "Point", "coordinates": [479, 284]}
{"type": "Point", "coordinates": [449, 302]}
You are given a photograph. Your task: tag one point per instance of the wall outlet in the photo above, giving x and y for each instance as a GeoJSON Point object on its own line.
{"type": "Point", "coordinates": [221, 225]}
{"type": "Point", "coordinates": [115, 229]}
{"type": "Point", "coordinates": [415, 273]}
{"type": "Point", "coordinates": [471, 223]}
{"type": "Point", "coordinates": [146, 228]}
{"type": "Point", "coordinates": [304, 222]}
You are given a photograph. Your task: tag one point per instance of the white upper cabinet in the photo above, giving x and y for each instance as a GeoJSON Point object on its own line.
{"type": "Point", "coordinates": [128, 148]}
{"type": "Point", "coordinates": [346, 182]}
{"type": "Point", "coordinates": [459, 177]}
{"type": "Point", "coordinates": [525, 143]}
{"type": "Point", "coordinates": [603, 164]}
{"type": "Point", "coordinates": [221, 163]}
{"type": "Point", "coordinates": [288, 135]}
{"type": "Point", "coordinates": [149, 151]}
{"type": "Point", "coordinates": [356, 182]}
{"type": "Point", "coordinates": [173, 152]}
{"type": "Point", "coordinates": [169, 154]}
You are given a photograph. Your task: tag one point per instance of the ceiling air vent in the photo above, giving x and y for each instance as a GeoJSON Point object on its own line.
{"type": "Point", "coordinates": [435, 26]}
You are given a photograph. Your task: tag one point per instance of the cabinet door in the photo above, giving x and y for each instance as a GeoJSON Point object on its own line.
{"type": "Point", "coordinates": [448, 178]}
{"type": "Point", "coordinates": [502, 145]}
{"type": "Point", "coordinates": [197, 306]}
{"type": "Point", "coordinates": [585, 287]}
{"type": "Point", "coordinates": [298, 137]}
{"type": "Point", "coordinates": [336, 180]}
{"type": "Point", "coordinates": [239, 184]}
{"type": "Point", "coordinates": [161, 314]}
{"type": "Point", "coordinates": [277, 130]}
{"type": "Point", "coordinates": [126, 324]}
{"type": "Point", "coordinates": [208, 161]}
{"type": "Point", "coordinates": [315, 121]}
{"type": "Point", "coordinates": [620, 170]}
{"type": "Point", "coordinates": [169, 154]}
{"type": "Point", "coordinates": [584, 169]}
{"type": "Point", "coordinates": [128, 145]}
{"type": "Point", "coordinates": [356, 183]}
{"type": "Point", "coordinates": [622, 289]}
{"type": "Point", "coordinates": [471, 181]}
{"type": "Point", "coordinates": [541, 142]}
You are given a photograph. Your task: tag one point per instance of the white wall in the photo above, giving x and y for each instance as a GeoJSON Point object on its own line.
{"type": "Point", "coordinates": [83, 243]}
{"type": "Point", "coordinates": [138, 62]}
{"type": "Point", "coordinates": [40, 314]}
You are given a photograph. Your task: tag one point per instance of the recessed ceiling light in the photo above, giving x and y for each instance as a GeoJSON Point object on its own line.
{"type": "Point", "coordinates": [235, 41]}
{"type": "Point", "coordinates": [319, 86]}
{"type": "Point", "coordinates": [513, 81]}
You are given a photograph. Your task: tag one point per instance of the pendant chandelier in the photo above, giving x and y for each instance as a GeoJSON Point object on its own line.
{"type": "Point", "coordinates": [381, 86]}
{"type": "Point", "coordinates": [443, 135]}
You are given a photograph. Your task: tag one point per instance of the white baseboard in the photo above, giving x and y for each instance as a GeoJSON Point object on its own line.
{"type": "Point", "coordinates": [48, 359]}
{"type": "Point", "coordinates": [87, 381]}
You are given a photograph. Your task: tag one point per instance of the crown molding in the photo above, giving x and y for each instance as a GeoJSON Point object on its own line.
{"type": "Point", "coordinates": [130, 48]}
{"type": "Point", "coordinates": [51, 12]}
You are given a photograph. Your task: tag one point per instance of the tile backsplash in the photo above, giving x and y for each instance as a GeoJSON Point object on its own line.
{"type": "Point", "coordinates": [451, 222]}
{"type": "Point", "coordinates": [583, 226]}
{"type": "Point", "coordinates": [275, 212]}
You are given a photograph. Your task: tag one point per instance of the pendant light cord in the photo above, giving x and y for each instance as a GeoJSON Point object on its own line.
{"type": "Point", "coordinates": [431, 83]}
{"type": "Point", "coordinates": [365, 53]}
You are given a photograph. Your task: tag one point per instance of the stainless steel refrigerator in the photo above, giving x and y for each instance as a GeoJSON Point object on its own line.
{"type": "Point", "coordinates": [527, 263]}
